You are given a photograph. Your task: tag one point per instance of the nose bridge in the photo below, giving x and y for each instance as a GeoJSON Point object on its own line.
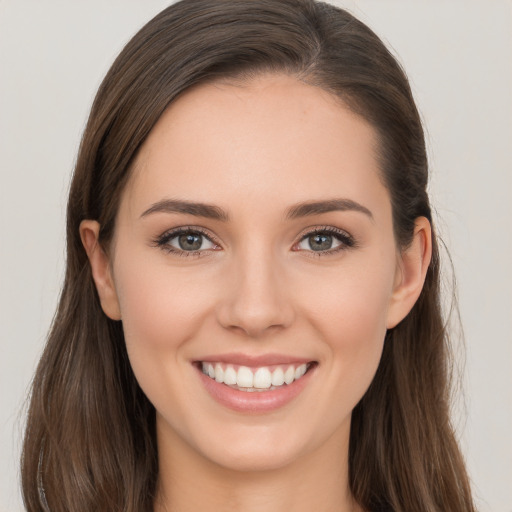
{"type": "Point", "coordinates": [256, 298]}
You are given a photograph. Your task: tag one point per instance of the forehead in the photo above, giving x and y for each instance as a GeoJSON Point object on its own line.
{"type": "Point", "coordinates": [272, 137]}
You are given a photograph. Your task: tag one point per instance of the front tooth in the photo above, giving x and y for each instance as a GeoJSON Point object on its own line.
{"type": "Point", "coordinates": [219, 373]}
{"type": "Point", "coordinates": [262, 378]}
{"type": "Point", "coordinates": [211, 370]}
{"type": "Point", "coordinates": [278, 377]}
{"type": "Point", "coordinates": [300, 371]}
{"type": "Point", "coordinates": [244, 377]}
{"type": "Point", "coordinates": [289, 375]}
{"type": "Point", "coordinates": [230, 376]}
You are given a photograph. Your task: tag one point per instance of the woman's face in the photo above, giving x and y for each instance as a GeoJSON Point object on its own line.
{"type": "Point", "coordinates": [255, 236]}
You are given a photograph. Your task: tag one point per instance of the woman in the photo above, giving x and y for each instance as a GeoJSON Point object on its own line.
{"type": "Point", "coordinates": [250, 317]}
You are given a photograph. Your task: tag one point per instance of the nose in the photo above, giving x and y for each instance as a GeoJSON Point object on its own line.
{"type": "Point", "coordinates": [256, 298]}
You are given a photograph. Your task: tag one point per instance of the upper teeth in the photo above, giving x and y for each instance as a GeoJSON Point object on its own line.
{"type": "Point", "coordinates": [256, 378]}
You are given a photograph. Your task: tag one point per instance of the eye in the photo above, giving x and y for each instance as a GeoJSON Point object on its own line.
{"type": "Point", "coordinates": [325, 240]}
{"type": "Point", "coordinates": [191, 242]}
{"type": "Point", "coordinates": [186, 240]}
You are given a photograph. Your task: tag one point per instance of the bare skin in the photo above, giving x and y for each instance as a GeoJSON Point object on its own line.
{"type": "Point", "coordinates": [262, 275]}
{"type": "Point", "coordinates": [297, 486]}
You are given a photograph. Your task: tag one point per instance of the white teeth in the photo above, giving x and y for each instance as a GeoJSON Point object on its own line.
{"type": "Point", "coordinates": [230, 376]}
{"type": "Point", "coordinates": [219, 373]}
{"type": "Point", "coordinates": [300, 371]}
{"type": "Point", "coordinates": [262, 379]}
{"type": "Point", "coordinates": [244, 377]}
{"type": "Point", "coordinates": [278, 377]}
{"type": "Point", "coordinates": [289, 375]}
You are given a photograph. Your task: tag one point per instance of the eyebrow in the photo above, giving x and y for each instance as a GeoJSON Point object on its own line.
{"type": "Point", "coordinates": [192, 208]}
{"type": "Point", "coordinates": [318, 207]}
{"type": "Point", "coordinates": [210, 211]}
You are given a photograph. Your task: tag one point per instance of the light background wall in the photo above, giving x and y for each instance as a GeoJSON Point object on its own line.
{"type": "Point", "coordinates": [458, 54]}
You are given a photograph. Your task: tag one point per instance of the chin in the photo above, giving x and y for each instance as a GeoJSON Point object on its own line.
{"type": "Point", "coordinates": [257, 456]}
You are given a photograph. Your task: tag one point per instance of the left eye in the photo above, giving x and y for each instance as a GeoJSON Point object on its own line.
{"type": "Point", "coordinates": [323, 241]}
{"type": "Point", "coordinates": [190, 241]}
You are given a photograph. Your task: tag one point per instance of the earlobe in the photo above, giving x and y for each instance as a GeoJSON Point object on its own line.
{"type": "Point", "coordinates": [411, 272]}
{"type": "Point", "coordinates": [100, 268]}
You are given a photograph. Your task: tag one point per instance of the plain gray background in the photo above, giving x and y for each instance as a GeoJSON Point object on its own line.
{"type": "Point", "coordinates": [458, 55]}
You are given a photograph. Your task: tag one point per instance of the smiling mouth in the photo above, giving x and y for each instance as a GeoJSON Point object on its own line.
{"type": "Point", "coordinates": [263, 378]}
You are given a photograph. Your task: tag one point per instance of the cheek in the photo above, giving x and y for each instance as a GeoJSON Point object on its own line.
{"type": "Point", "coordinates": [349, 312]}
{"type": "Point", "coordinates": [159, 307]}
{"type": "Point", "coordinates": [354, 299]}
{"type": "Point", "coordinates": [162, 311]}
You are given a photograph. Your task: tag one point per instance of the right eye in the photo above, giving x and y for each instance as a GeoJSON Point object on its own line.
{"type": "Point", "coordinates": [187, 242]}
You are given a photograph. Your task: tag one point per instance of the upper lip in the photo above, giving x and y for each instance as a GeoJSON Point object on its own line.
{"type": "Point", "coordinates": [253, 360]}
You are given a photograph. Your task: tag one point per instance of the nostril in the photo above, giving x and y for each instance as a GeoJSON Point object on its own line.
{"type": "Point", "coordinates": [253, 308]}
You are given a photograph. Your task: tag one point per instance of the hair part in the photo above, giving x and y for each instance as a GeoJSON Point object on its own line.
{"type": "Point", "coordinates": [90, 441]}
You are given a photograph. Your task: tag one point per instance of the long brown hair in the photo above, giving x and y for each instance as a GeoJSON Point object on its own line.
{"type": "Point", "coordinates": [90, 436]}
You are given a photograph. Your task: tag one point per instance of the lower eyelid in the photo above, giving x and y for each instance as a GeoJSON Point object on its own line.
{"type": "Point", "coordinates": [186, 254]}
{"type": "Point", "coordinates": [175, 251]}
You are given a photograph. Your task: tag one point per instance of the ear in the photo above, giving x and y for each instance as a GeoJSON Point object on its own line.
{"type": "Point", "coordinates": [100, 267]}
{"type": "Point", "coordinates": [411, 271]}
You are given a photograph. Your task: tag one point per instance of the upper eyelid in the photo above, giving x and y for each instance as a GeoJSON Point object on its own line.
{"type": "Point", "coordinates": [303, 232]}
{"type": "Point", "coordinates": [330, 229]}
{"type": "Point", "coordinates": [323, 229]}
{"type": "Point", "coordinates": [172, 232]}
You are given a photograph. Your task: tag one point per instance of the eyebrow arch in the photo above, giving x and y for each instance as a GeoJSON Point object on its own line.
{"type": "Point", "coordinates": [191, 208]}
{"type": "Point", "coordinates": [214, 212]}
{"type": "Point", "coordinates": [330, 205]}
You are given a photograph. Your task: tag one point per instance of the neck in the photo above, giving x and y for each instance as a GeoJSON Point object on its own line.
{"type": "Point", "coordinates": [189, 482]}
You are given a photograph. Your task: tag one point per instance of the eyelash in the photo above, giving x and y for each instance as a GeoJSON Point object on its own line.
{"type": "Point", "coordinates": [162, 242]}
{"type": "Point", "coordinates": [345, 239]}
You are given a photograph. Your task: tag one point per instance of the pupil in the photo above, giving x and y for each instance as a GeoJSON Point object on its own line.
{"type": "Point", "coordinates": [190, 242]}
{"type": "Point", "coordinates": [320, 242]}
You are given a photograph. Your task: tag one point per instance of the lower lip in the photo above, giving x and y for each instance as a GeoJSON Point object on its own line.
{"type": "Point", "coordinates": [257, 401]}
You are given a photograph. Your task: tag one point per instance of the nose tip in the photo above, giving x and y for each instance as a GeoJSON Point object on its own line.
{"type": "Point", "coordinates": [256, 303]}
{"type": "Point", "coordinates": [252, 322]}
